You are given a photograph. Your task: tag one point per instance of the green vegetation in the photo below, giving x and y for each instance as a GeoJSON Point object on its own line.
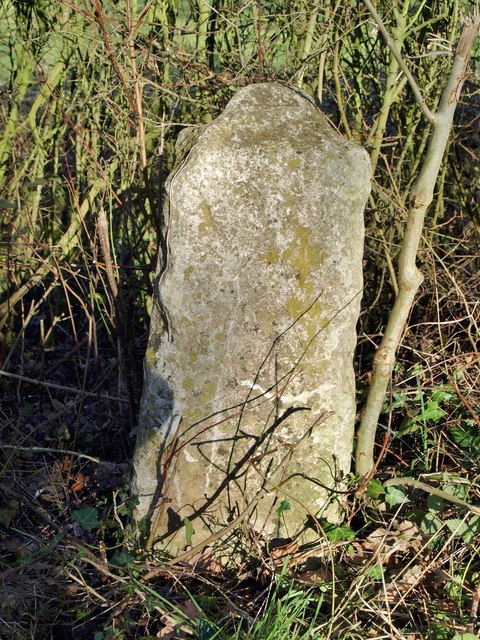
{"type": "Point", "coordinates": [93, 97]}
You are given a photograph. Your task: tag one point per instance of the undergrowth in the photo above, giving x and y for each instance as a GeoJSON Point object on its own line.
{"type": "Point", "coordinates": [92, 100]}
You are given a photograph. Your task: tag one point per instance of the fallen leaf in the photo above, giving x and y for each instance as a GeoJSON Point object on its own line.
{"type": "Point", "coordinates": [57, 405]}
{"type": "Point", "coordinates": [397, 589]}
{"type": "Point", "coordinates": [79, 483]}
{"type": "Point", "coordinates": [71, 590]}
{"type": "Point", "coordinates": [288, 549]}
{"type": "Point", "coordinates": [173, 629]}
{"type": "Point", "coordinates": [312, 577]}
{"type": "Point", "coordinates": [384, 543]}
{"type": "Point", "coordinates": [13, 544]}
{"type": "Point", "coordinates": [205, 561]}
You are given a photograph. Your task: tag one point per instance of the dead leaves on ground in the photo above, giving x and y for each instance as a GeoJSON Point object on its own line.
{"type": "Point", "coordinates": [175, 630]}
{"type": "Point", "coordinates": [397, 560]}
{"type": "Point", "coordinates": [395, 557]}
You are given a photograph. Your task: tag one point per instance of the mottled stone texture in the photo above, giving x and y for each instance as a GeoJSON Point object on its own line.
{"type": "Point", "coordinates": [254, 336]}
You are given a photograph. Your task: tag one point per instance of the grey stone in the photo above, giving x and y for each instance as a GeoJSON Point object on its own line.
{"type": "Point", "coordinates": [249, 397]}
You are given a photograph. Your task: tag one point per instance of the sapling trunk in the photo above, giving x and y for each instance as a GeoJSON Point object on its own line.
{"type": "Point", "coordinates": [409, 276]}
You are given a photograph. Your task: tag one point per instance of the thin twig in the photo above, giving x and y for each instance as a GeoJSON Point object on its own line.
{"type": "Point", "coordinates": [261, 493]}
{"type": "Point", "coordinates": [396, 53]}
{"type": "Point", "coordinates": [66, 452]}
{"type": "Point", "coordinates": [60, 387]}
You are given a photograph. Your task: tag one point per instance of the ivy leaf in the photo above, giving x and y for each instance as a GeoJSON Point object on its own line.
{"type": "Point", "coordinates": [430, 524]}
{"type": "Point", "coordinates": [375, 572]}
{"type": "Point", "coordinates": [467, 438]}
{"type": "Point", "coordinates": [432, 412]}
{"type": "Point", "coordinates": [338, 533]}
{"type": "Point", "coordinates": [410, 425]}
{"type": "Point", "coordinates": [399, 401]}
{"type": "Point", "coordinates": [462, 529]}
{"type": "Point", "coordinates": [394, 496]}
{"type": "Point", "coordinates": [86, 518]}
{"type": "Point", "coordinates": [9, 512]}
{"type": "Point", "coordinates": [442, 394]}
{"type": "Point", "coordinates": [435, 503]}
{"type": "Point", "coordinates": [26, 410]}
{"type": "Point", "coordinates": [121, 559]}
{"type": "Point", "coordinates": [284, 506]}
{"type": "Point", "coordinates": [375, 489]}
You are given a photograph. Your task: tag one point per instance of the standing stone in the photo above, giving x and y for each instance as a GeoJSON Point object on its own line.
{"type": "Point", "coordinates": [249, 397]}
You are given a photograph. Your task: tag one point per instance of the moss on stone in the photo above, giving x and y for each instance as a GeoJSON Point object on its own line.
{"type": "Point", "coordinates": [270, 257]}
{"type": "Point", "coordinates": [188, 272]}
{"type": "Point", "coordinates": [305, 255]}
{"type": "Point", "coordinates": [150, 357]}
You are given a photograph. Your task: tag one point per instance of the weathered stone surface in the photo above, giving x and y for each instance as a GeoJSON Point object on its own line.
{"type": "Point", "coordinates": [260, 299]}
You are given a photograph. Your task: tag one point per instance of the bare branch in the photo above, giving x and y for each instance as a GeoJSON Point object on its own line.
{"type": "Point", "coordinates": [396, 53]}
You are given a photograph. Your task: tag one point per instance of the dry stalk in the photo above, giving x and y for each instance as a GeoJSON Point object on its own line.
{"type": "Point", "coordinates": [103, 236]}
{"type": "Point", "coordinates": [61, 387]}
